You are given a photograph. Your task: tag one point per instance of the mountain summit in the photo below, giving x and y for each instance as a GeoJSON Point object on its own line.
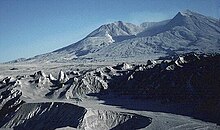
{"type": "Point", "coordinates": [188, 31]}
{"type": "Point", "coordinates": [115, 29]}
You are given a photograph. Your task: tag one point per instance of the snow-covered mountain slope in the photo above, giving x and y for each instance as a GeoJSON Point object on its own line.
{"type": "Point", "coordinates": [101, 37]}
{"type": "Point", "coordinates": [151, 27]}
{"type": "Point", "coordinates": [186, 32]}
{"type": "Point", "coordinates": [116, 29]}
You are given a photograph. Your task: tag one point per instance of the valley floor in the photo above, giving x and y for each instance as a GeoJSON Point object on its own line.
{"type": "Point", "coordinates": [161, 116]}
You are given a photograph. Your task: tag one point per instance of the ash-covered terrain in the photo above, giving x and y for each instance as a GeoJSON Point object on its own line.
{"type": "Point", "coordinates": [186, 85]}
{"type": "Point", "coordinates": [157, 75]}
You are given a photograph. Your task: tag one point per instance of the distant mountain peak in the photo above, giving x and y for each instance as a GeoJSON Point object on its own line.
{"type": "Point", "coordinates": [189, 12]}
{"type": "Point", "coordinates": [184, 18]}
{"type": "Point", "coordinates": [118, 22]}
{"type": "Point", "coordinates": [187, 31]}
{"type": "Point", "coordinates": [117, 28]}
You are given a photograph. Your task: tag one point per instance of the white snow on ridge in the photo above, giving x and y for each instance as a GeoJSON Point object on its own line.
{"type": "Point", "coordinates": [186, 32]}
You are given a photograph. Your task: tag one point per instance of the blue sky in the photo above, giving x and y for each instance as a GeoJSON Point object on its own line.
{"type": "Point", "coordinates": [32, 27]}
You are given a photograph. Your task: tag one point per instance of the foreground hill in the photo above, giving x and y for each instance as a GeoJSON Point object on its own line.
{"type": "Point", "coordinates": [190, 81]}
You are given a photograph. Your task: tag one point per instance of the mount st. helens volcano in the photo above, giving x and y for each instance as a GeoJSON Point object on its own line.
{"type": "Point", "coordinates": [178, 91]}
{"type": "Point", "coordinates": [186, 32]}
